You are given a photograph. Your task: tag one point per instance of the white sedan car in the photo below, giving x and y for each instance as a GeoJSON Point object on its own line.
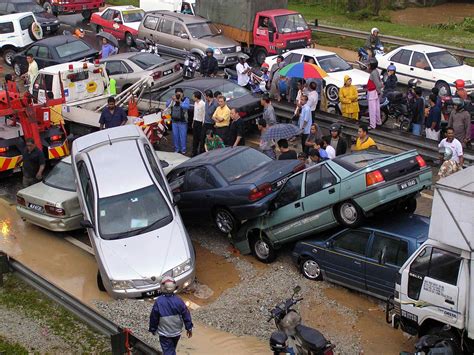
{"type": "Point", "coordinates": [336, 67]}
{"type": "Point", "coordinates": [432, 66]}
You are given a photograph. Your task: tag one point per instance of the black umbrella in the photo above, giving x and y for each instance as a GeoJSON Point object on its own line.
{"type": "Point", "coordinates": [281, 131]}
{"type": "Point", "coordinates": [111, 39]}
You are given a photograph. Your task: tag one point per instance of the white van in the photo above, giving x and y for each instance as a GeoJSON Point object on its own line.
{"type": "Point", "coordinates": [169, 5]}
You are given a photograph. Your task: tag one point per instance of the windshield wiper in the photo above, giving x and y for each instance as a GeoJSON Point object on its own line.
{"type": "Point", "coordinates": [207, 35]}
{"type": "Point", "coordinates": [150, 227]}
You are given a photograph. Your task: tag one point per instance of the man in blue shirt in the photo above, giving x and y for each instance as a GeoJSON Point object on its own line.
{"type": "Point", "coordinates": [107, 49]}
{"type": "Point", "coordinates": [112, 116]}
{"type": "Point", "coordinates": [305, 121]}
{"type": "Point", "coordinates": [179, 124]}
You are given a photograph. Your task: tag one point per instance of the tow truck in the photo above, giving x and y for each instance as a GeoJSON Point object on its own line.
{"type": "Point", "coordinates": [22, 120]}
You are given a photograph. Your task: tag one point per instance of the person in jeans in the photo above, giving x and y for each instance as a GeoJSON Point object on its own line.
{"type": "Point", "coordinates": [198, 121]}
{"type": "Point", "coordinates": [210, 106]}
{"type": "Point", "coordinates": [179, 124]}
{"type": "Point", "coordinates": [221, 118]}
{"type": "Point", "coordinates": [33, 163]}
{"type": "Point", "coordinates": [305, 121]}
{"type": "Point", "coordinates": [418, 112]}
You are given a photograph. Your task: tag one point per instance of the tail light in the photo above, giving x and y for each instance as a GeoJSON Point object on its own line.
{"type": "Point", "coordinates": [3, 149]}
{"type": "Point", "coordinates": [260, 192]}
{"type": "Point", "coordinates": [328, 351]}
{"type": "Point", "coordinates": [55, 211]}
{"type": "Point", "coordinates": [299, 167]}
{"type": "Point", "coordinates": [157, 75]}
{"type": "Point", "coordinates": [71, 67]}
{"type": "Point", "coordinates": [374, 177]}
{"type": "Point", "coordinates": [20, 200]}
{"type": "Point", "coordinates": [177, 67]}
{"type": "Point", "coordinates": [242, 114]}
{"type": "Point", "coordinates": [56, 137]}
{"type": "Point", "coordinates": [98, 70]}
{"type": "Point", "coordinates": [421, 162]}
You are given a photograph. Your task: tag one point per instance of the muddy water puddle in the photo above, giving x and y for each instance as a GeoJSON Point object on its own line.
{"type": "Point", "coordinates": [445, 13]}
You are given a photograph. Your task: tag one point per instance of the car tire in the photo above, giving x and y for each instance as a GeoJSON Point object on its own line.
{"type": "Point", "coordinates": [262, 249]}
{"type": "Point", "coordinates": [8, 55]}
{"type": "Point", "coordinates": [260, 55]}
{"type": "Point", "coordinates": [451, 338]}
{"type": "Point", "coordinates": [349, 214]}
{"type": "Point", "coordinates": [445, 85]}
{"type": "Point", "coordinates": [408, 206]}
{"type": "Point", "coordinates": [35, 31]}
{"type": "Point", "coordinates": [86, 14]}
{"type": "Point", "coordinates": [311, 269]}
{"type": "Point", "coordinates": [224, 220]}
{"type": "Point", "coordinates": [332, 93]}
{"type": "Point", "coordinates": [128, 39]}
{"type": "Point", "coordinates": [100, 283]}
{"type": "Point", "coordinates": [17, 69]}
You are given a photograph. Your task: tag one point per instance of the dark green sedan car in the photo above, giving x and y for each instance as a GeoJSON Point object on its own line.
{"type": "Point", "coordinates": [342, 191]}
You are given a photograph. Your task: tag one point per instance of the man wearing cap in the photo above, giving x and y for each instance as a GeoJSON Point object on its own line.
{"type": "Point", "coordinates": [335, 140]}
{"type": "Point", "coordinates": [209, 65]}
{"type": "Point", "coordinates": [168, 316]}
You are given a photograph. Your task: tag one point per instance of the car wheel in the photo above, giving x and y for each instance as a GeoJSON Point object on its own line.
{"type": "Point", "coordinates": [332, 93]}
{"type": "Point", "coordinates": [443, 85]}
{"type": "Point", "coordinates": [405, 125]}
{"type": "Point", "coordinates": [310, 269]}
{"type": "Point", "coordinates": [263, 250]}
{"type": "Point", "coordinates": [349, 214]}
{"type": "Point", "coordinates": [8, 55]}
{"type": "Point", "coordinates": [86, 14]}
{"type": "Point", "coordinates": [408, 206]}
{"type": "Point", "coordinates": [128, 39]}
{"type": "Point", "coordinates": [47, 6]}
{"type": "Point", "coordinates": [260, 55]}
{"type": "Point", "coordinates": [17, 69]}
{"type": "Point", "coordinates": [224, 221]}
{"type": "Point", "coordinates": [100, 284]}
{"type": "Point", "coordinates": [197, 61]}
{"type": "Point", "coordinates": [98, 29]}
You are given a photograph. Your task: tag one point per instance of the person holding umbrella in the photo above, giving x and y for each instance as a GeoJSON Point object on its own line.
{"type": "Point", "coordinates": [107, 49]}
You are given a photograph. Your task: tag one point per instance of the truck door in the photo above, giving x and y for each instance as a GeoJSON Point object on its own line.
{"type": "Point", "coordinates": [265, 33]}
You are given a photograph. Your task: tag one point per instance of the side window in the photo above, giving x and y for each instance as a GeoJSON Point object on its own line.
{"type": "Point", "coordinates": [199, 179]}
{"type": "Point", "coordinates": [33, 50]}
{"type": "Point", "coordinates": [86, 186]}
{"type": "Point", "coordinates": [6, 27]}
{"type": "Point", "coordinates": [419, 60]}
{"type": "Point", "coordinates": [155, 169]}
{"type": "Point", "coordinates": [318, 179]}
{"type": "Point", "coordinates": [150, 22]}
{"type": "Point", "coordinates": [393, 250]}
{"type": "Point", "coordinates": [26, 22]}
{"type": "Point", "coordinates": [396, 57]}
{"type": "Point", "coordinates": [176, 180]}
{"type": "Point", "coordinates": [108, 15]}
{"type": "Point", "coordinates": [293, 58]}
{"type": "Point", "coordinates": [165, 26]}
{"type": "Point", "coordinates": [48, 82]}
{"type": "Point", "coordinates": [115, 67]}
{"type": "Point", "coordinates": [178, 29]}
{"type": "Point", "coordinates": [43, 52]}
{"type": "Point", "coordinates": [353, 241]}
{"type": "Point", "coordinates": [291, 192]}
{"type": "Point", "coordinates": [405, 57]}
{"type": "Point", "coordinates": [327, 178]}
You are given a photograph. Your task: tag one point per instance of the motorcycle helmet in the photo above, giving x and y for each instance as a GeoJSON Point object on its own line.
{"type": "Point", "coordinates": [458, 102]}
{"type": "Point", "coordinates": [335, 127]}
{"type": "Point", "coordinates": [210, 50]}
{"type": "Point", "coordinates": [168, 285]}
{"type": "Point", "coordinates": [373, 63]}
{"type": "Point", "coordinates": [446, 152]}
{"type": "Point", "coordinates": [459, 84]}
{"type": "Point", "coordinates": [265, 66]}
{"type": "Point", "coordinates": [413, 83]}
{"type": "Point", "coordinates": [373, 30]}
{"type": "Point", "coordinates": [391, 67]}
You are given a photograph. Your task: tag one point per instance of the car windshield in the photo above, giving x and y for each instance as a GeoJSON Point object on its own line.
{"type": "Point", "coordinates": [146, 60]}
{"type": "Point", "coordinates": [444, 59]}
{"type": "Point", "coordinates": [133, 16]}
{"type": "Point", "coordinates": [353, 162]}
{"type": "Point", "coordinates": [333, 63]}
{"type": "Point", "coordinates": [132, 213]}
{"type": "Point", "coordinates": [241, 164]}
{"type": "Point", "coordinates": [61, 177]}
{"type": "Point", "coordinates": [71, 48]}
{"type": "Point", "coordinates": [230, 90]}
{"type": "Point", "coordinates": [28, 7]}
{"type": "Point", "coordinates": [203, 29]}
{"type": "Point", "coordinates": [290, 23]}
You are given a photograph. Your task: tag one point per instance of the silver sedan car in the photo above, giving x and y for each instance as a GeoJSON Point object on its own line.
{"type": "Point", "coordinates": [127, 68]}
{"type": "Point", "coordinates": [133, 222]}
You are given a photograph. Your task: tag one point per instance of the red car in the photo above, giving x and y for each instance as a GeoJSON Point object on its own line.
{"type": "Point", "coordinates": [120, 21]}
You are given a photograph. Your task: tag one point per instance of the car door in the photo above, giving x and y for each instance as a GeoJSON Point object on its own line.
{"type": "Point", "coordinates": [197, 197]}
{"type": "Point", "coordinates": [86, 196]}
{"type": "Point", "coordinates": [106, 20]}
{"type": "Point", "coordinates": [385, 257]}
{"type": "Point", "coordinates": [420, 68]}
{"type": "Point", "coordinates": [44, 57]}
{"type": "Point", "coordinates": [164, 37]}
{"type": "Point", "coordinates": [180, 40]}
{"type": "Point", "coordinates": [117, 70]}
{"type": "Point", "coordinates": [148, 28]}
{"type": "Point", "coordinates": [401, 59]}
{"type": "Point", "coordinates": [346, 257]}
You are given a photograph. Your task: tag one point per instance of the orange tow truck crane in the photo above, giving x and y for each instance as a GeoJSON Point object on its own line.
{"type": "Point", "coordinates": [23, 119]}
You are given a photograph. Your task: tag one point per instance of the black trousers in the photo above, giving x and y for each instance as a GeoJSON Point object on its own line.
{"type": "Point", "coordinates": [304, 148]}
{"type": "Point", "coordinates": [197, 137]}
{"type": "Point", "coordinates": [204, 129]}
{"type": "Point", "coordinates": [222, 132]}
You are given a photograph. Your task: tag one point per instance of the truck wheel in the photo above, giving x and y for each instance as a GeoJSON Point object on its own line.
{"type": "Point", "coordinates": [260, 55]}
{"type": "Point", "coordinates": [8, 55]}
{"type": "Point", "coordinates": [349, 214]}
{"type": "Point", "coordinates": [262, 249]}
{"type": "Point", "coordinates": [17, 69]}
{"type": "Point", "coordinates": [100, 283]}
{"type": "Point", "coordinates": [310, 269]}
{"type": "Point", "coordinates": [87, 14]}
{"type": "Point", "coordinates": [128, 39]}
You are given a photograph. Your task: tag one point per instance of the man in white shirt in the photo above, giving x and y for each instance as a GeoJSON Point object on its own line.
{"type": "Point", "coordinates": [455, 146]}
{"type": "Point", "coordinates": [313, 98]}
{"type": "Point", "coordinates": [243, 70]}
{"type": "Point", "coordinates": [198, 121]}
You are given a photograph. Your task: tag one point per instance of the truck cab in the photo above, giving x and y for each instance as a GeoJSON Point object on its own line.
{"type": "Point", "coordinates": [65, 7]}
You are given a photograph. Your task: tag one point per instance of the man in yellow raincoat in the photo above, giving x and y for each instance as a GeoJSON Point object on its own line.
{"type": "Point", "coordinates": [349, 99]}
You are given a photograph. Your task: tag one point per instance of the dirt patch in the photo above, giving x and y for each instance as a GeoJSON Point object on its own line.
{"type": "Point", "coordinates": [346, 54]}
{"type": "Point", "coordinates": [445, 13]}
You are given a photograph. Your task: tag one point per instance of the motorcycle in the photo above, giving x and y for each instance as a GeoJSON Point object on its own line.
{"type": "Point", "coordinates": [364, 56]}
{"type": "Point", "coordinates": [432, 344]}
{"type": "Point", "coordinates": [257, 82]}
{"type": "Point", "coordinates": [189, 66]}
{"type": "Point", "coordinates": [292, 336]}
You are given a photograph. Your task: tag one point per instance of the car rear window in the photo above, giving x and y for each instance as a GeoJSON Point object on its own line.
{"type": "Point", "coordinates": [231, 90]}
{"type": "Point", "coordinates": [26, 22]}
{"type": "Point", "coordinates": [71, 48]}
{"type": "Point", "coordinates": [147, 60]}
{"type": "Point", "coordinates": [61, 177]}
{"type": "Point", "coordinates": [353, 162]}
{"type": "Point", "coordinates": [242, 163]}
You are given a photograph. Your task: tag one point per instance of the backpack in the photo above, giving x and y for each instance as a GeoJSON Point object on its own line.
{"type": "Point", "coordinates": [178, 114]}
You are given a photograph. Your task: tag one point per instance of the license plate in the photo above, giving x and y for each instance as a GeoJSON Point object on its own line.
{"type": "Point", "coordinates": [48, 28]}
{"type": "Point", "coordinates": [407, 184]}
{"type": "Point", "coordinates": [149, 294]}
{"type": "Point", "coordinates": [167, 72]}
{"type": "Point", "coordinates": [37, 208]}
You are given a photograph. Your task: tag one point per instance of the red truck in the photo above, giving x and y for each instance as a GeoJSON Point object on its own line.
{"type": "Point", "coordinates": [262, 27]}
{"type": "Point", "coordinates": [65, 7]}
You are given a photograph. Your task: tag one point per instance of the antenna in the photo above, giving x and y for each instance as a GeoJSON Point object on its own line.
{"type": "Point", "coordinates": [110, 141]}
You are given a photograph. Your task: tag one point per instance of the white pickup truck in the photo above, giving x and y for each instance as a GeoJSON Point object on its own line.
{"type": "Point", "coordinates": [435, 288]}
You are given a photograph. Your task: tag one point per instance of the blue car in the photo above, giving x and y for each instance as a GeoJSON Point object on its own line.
{"type": "Point", "coordinates": [366, 259]}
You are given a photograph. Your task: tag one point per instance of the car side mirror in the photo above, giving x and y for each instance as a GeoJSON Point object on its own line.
{"type": "Point", "coordinates": [184, 36]}
{"type": "Point", "coordinates": [86, 224]}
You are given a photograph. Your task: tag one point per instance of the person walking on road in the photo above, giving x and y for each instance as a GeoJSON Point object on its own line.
{"type": "Point", "coordinates": [418, 112]}
{"type": "Point", "coordinates": [209, 65]}
{"type": "Point", "coordinates": [275, 77]}
{"type": "Point", "coordinates": [433, 120]}
{"type": "Point", "coordinates": [460, 120]}
{"type": "Point", "coordinates": [112, 116]}
{"type": "Point", "coordinates": [363, 141]}
{"type": "Point", "coordinates": [349, 98]}
{"type": "Point", "coordinates": [198, 121]}
{"type": "Point", "coordinates": [33, 163]}
{"type": "Point", "coordinates": [209, 109]}
{"type": "Point", "coordinates": [168, 316]}
{"type": "Point", "coordinates": [221, 117]}
{"type": "Point", "coordinates": [107, 49]}
{"type": "Point", "coordinates": [305, 121]}
{"type": "Point", "coordinates": [179, 116]}
{"type": "Point", "coordinates": [243, 72]}
{"type": "Point", "coordinates": [313, 98]}
{"type": "Point", "coordinates": [374, 89]}
{"type": "Point", "coordinates": [268, 110]}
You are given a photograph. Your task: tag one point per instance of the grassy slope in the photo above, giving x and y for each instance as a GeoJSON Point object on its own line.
{"type": "Point", "coordinates": [9, 348]}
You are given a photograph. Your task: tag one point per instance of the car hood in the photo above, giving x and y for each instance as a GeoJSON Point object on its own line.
{"type": "Point", "coordinates": [217, 41]}
{"type": "Point", "coordinates": [464, 72]}
{"type": "Point", "coordinates": [133, 25]}
{"type": "Point", "coordinates": [359, 77]}
{"type": "Point", "coordinates": [45, 16]}
{"type": "Point", "coordinates": [146, 255]}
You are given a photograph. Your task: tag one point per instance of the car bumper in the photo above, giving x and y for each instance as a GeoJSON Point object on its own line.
{"type": "Point", "coordinates": [50, 28]}
{"type": "Point", "coordinates": [390, 191]}
{"type": "Point", "coordinates": [54, 224]}
{"type": "Point", "coordinates": [249, 211]}
{"type": "Point", "coordinates": [225, 60]}
{"type": "Point", "coordinates": [182, 282]}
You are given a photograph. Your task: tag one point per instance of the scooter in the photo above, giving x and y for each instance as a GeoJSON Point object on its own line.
{"type": "Point", "coordinates": [432, 344]}
{"type": "Point", "coordinates": [364, 56]}
{"type": "Point", "coordinates": [398, 110]}
{"type": "Point", "coordinates": [189, 66]}
{"type": "Point", "coordinates": [292, 336]}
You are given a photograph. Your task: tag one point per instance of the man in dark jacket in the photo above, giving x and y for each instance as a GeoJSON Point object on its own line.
{"type": "Point", "coordinates": [167, 317]}
{"type": "Point", "coordinates": [209, 65]}
{"type": "Point", "coordinates": [335, 140]}
{"type": "Point", "coordinates": [33, 163]}
{"type": "Point", "coordinates": [433, 119]}
{"type": "Point", "coordinates": [417, 112]}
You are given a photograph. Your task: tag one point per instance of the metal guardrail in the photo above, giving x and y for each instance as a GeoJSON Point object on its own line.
{"type": "Point", "coordinates": [461, 52]}
{"type": "Point", "coordinates": [385, 136]}
{"type": "Point", "coordinates": [118, 336]}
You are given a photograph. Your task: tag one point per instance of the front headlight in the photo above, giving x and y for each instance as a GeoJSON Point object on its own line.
{"type": "Point", "coordinates": [238, 48]}
{"type": "Point", "coordinates": [217, 51]}
{"type": "Point", "coordinates": [121, 284]}
{"type": "Point", "coordinates": [56, 22]}
{"type": "Point", "coordinates": [181, 269]}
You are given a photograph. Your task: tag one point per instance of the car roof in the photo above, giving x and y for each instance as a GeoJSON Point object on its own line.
{"type": "Point", "coordinates": [187, 19]}
{"type": "Point", "coordinates": [123, 8]}
{"type": "Point", "coordinates": [59, 39]}
{"type": "Point", "coordinates": [12, 17]}
{"type": "Point", "coordinates": [407, 225]}
{"type": "Point", "coordinates": [54, 69]}
{"type": "Point", "coordinates": [128, 131]}
{"type": "Point", "coordinates": [312, 51]}
{"type": "Point", "coordinates": [279, 12]}
{"type": "Point", "coordinates": [203, 83]}
{"type": "Point", "coordinates": [213, 156]}
{"type": "Point", "coordinates": [423, 48]}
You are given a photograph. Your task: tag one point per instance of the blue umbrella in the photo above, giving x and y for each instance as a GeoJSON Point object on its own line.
{"type": "Point", "coordinates": [281, 131]}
